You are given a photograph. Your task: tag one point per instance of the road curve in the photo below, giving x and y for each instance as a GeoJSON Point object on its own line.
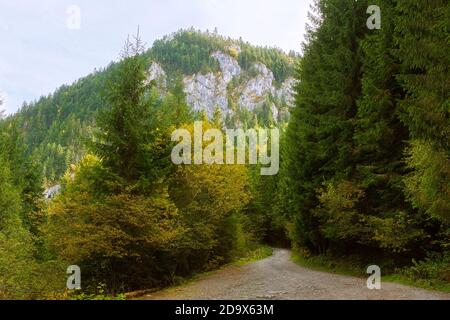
{"type": "Point", "coordinates": [277, 277]}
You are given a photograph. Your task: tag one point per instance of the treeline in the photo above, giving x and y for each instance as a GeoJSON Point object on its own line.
{"type": "Point", "coordinates": [189, 51]}
{"type": "Point", "coordinates": [365, 158]}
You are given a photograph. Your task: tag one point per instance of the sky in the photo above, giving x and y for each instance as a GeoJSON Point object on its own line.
{"type": "Point", "coordinates": [45, 44]}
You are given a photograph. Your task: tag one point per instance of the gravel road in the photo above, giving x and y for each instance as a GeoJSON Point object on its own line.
{"type": "Point", "coordinates": [277, 277]}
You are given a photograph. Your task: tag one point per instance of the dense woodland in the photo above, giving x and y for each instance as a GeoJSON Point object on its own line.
{"type": "Point", "coordinates": [365, 162]}
{"type": "Point", "coordinates": [366, 155]}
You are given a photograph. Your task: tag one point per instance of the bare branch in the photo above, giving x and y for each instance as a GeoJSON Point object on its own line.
{"type": "Point", "coordinates": [133, 47]}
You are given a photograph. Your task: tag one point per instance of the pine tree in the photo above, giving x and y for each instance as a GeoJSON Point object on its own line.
{"type": "Point", "coordinates": [380, 140]}
{"type": "Point", "coordinates": [129, 141]}
{"type": "Point", "coordinates": [320, 134]}
{"type": "Point", "coordinates": [2, 112]}
{"type": "Point", "coordinates": [422, 30]}
{"type": "Point", "coordinates": [16, 245]}
{"type": "Point", "coordinates": [26, 173]}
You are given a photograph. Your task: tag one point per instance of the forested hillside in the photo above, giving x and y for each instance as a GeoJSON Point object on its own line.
{"type": "Point", "coordinates": [56, 126]}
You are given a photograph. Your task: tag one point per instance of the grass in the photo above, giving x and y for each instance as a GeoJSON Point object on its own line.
{"type": "Point", "coordinates": [261, 252]}
{"type": "Point", "coordinates": [343, 267]}
{"type": "Point", "coordinates": [322, 263]}
{"type": "Point", "coordinates": [420, 283]}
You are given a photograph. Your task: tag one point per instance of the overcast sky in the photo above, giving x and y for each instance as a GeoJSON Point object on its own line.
{"type": "Point", "coordinates": [41, 46]}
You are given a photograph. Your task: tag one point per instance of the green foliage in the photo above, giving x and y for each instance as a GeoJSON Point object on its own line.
{"type": "Point", "coordinates": [260, 252]}
{"type": "Point", "coordinates": [364, 169]}
{"type": "Point", "coordinates": [129, 218]}
{"type": "Point", "coordinates": [55, 127]}
{"type": "Point", "coordinates": [113, 234]}
{"type": "Point", "coordinates": [351, 184]}
{"type": "Point", "coordinates": [320, 133]}
{"type": "Point", "coordinates": [23, 273]}
{"type": "Point", "coordinates": [129, 141]}
{"type": "Point", "coordinates": [187, 52]}
{"type": "Point", "coordinates": [211, 199]}
{"type": "Point", "coordinates": [427, 186]}
{"type": "Point", "coordinates": [433, 271]}
{"type": "Point", "coordinates": [422, 36]}
{"type": "Point", "coordinates": [275, 59]}
{"type": "Point", "coordinates": [16, 250]}
{"type": "Point", "coordinates": [126, 215]}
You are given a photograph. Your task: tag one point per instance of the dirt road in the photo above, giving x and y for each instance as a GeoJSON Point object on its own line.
{"type": "Point", "coordinates": [277, 277]}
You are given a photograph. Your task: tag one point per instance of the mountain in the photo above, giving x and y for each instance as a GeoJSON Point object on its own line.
{"type": "Point", "coordinates": [250, 85]}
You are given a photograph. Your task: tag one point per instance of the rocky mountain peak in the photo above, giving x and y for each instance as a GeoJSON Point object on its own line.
{"type": "Point", "coordinates": [206, 92]}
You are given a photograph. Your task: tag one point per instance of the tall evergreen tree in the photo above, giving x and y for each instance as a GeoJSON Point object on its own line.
{"type": "Point", "coordinates": [380, 215]}
{"type": "Point", "coordinates": [16, 245]}
{"type": "Point", "coordinates": [129, 139]}
{"type": "Point", "coordinates": [422, 35]}
{"type": "Point", "coordinates": [320, 134]}
{"type": "Point", "coordinates": [26, 174]}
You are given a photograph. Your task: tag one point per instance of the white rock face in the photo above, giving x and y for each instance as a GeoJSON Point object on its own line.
{"type": "Point", "coordinates": [50, 193]}
{"type": "Point", "coordinates": [275, 112]}
{"type": "Point", "coordinates": [286, 91]}
{"type": "Point", "coordinates": [228, 65]}
{"type": "Point", "coordinates": [257, 89]}
{"type": "Point", "coordinates": [206, 92]}
{"type": "Point", "coordinates": [157, 73]}
{"type": "Point", "coordinates": [209, 91]}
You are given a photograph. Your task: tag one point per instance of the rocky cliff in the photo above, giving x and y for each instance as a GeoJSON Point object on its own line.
{"type": "Point", "coordinates": [249, 90]}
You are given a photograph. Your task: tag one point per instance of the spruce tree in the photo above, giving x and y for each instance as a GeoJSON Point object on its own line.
{"type": "Point", "coordinates": [130, 139]}
{"type": "Point", "coordinates": [422, 33]}
{"type": "Point", "coordinates": [320, 134]}
{"type": "Point", "coordinates": [380, 140]}
{"type": "Point", "coordinates": [16, 242]}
